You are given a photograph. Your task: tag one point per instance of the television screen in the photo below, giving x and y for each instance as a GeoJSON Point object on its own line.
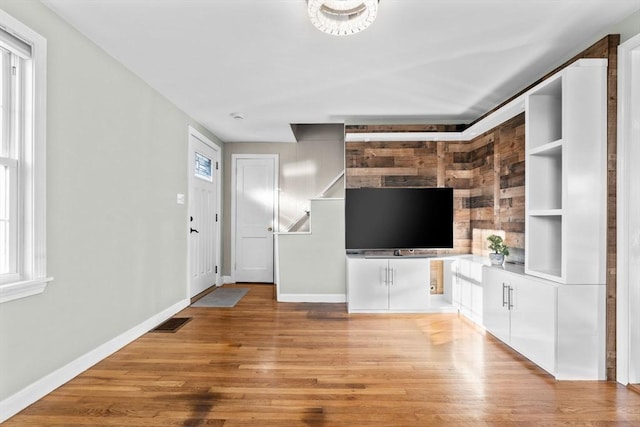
{"type": "Point", "coordinates": [399, 218]}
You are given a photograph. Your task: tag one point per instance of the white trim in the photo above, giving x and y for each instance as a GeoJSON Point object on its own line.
{"type": "Point", "coordinates": [628, 204]}
{"type": "Point", "coordinates": [276, 263]}
{"type": "Point", "coordinates": [192, 132]}
{"type": "Point", "coordinates": [501, 115]}
{"type": "Point", "coordinates": [326, 298]}
{"type": "Point", "coordinates": [276, 205]}
{"type": "Point", "coordinates": [17, 290]}
{"type": "Point", "coordinates": [33, 186]}
{"type": "Point", "coordinates": [325, 199]}
{"type": "Point", "coordinates": [328, 186]}
{"type": "Point", "coordinates": [405, 136]}
{"type": "Point", "coordinates": [37, 390]}
{"type": "Point", "coordinates": [227, 280]}
{"type": "Point", "coordinates": [319, 196]}
{"type": "Point", "coordinates": [294, 233]}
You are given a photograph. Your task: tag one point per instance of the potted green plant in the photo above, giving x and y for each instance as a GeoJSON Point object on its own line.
{"type": "Point", "coordinates": [500, 250]}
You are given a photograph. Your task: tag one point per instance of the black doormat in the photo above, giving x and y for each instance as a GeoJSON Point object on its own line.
{"type": "Point", "coordinates": [171, 325]}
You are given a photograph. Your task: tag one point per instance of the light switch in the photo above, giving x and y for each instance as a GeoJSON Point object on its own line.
{"type": "Point", "coordinates": [180, 199]}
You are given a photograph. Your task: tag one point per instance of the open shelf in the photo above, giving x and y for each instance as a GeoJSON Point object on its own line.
{"type": "Point", "coordinates": [553, 148]}
{"type": "Point", "coordinates": [544, 111]}
{"type": "Point", "coordinates": [565, 176]}
{"type": "Point", "coordinates": [545, 183]}
{"type": "Point", "coordinates": [545, 212]}
{"type": "Point", "coordinates": [544, 245]}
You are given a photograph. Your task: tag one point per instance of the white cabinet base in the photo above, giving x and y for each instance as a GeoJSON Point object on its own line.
{"type": "Point", "coordinates": [389, 285]}
{"type": "Point", "coordinates": [581, 332]}
{"type": "Point", "coordinates": [367, 288]}
{"type": "Point", "coordinates": [561, 328]}
{"type": "Point", "coordinates": [466, 272]}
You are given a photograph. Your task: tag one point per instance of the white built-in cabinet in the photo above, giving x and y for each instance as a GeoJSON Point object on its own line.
{"type": "Point", "coordinates": [552, 310]}
{"type": "Point", "coordinates": [466, 282]}
{"type": "Point", "coordinates": [521, 312]}
{"type": "Point", "coordinates": [387, 284]}
{"type": "Point", "coordinates": [554, 313]}
{"type": "Point", "coordinates": [566, 167]}
{"type": "Point", "coordinates": [558, 327]}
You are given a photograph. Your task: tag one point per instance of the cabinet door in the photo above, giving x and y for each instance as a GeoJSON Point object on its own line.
{"type": "Point", "coordinates": [455, 284]}
{"type": "Point", "coordinates": [367, 284]}
{"type": "Point", "coordinates": [465, 296]}
{"type": "Point", "coordinates": [476, 302]}
{"type": "Point", "coordinates": [409, 287]}
{"type": "Point", "coordinates": [533, 321]}
{"type": "Point", "coordinates": [495, 311]}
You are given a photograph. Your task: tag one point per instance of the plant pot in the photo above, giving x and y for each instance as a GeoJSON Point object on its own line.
{"type": "Point", "coordinates": [496, 259]}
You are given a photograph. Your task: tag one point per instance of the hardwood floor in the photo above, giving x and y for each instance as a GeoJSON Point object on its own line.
{"type": "Point", "coordinates": [264, 363]}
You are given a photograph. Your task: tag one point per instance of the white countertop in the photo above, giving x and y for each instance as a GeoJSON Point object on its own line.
{"type": "Point", "coordinates": [512, 268]}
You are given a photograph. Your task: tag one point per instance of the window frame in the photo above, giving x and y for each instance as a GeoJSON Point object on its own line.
{"type": "Point", "coordinates": [31, 269]}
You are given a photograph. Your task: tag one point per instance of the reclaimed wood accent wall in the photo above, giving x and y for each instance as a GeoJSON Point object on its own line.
{"type": "Point", "coordinates": [487, 175]}
{"type": "Point", "coordinates": [497, 198]}
{"type": "Point", "coordinates": [379, 164]}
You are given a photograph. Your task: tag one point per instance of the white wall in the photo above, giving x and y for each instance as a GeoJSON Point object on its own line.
{"type": "Point", "coordinates": [628, 27]}
{"type": "Point", "coordinates": [116, 239]}
{"type": "Point", "coordinates": [311, 266]}
{"type": "Point", "coordinates": [305, 169]}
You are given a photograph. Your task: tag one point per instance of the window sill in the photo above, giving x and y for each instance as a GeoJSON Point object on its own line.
{"type": "Point", "coordinates": [13, 291]}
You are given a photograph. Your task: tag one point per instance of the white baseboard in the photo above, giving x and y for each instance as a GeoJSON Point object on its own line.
{"type": "Point", "coordinates": [330, 298]}
{"type": "Point", "coordinates": [227, 279]}
{"type": "Point", "coordinates": [30, 394]}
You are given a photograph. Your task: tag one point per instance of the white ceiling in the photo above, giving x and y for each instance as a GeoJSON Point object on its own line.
{"type": "Point", "coordinates": [422, 61]}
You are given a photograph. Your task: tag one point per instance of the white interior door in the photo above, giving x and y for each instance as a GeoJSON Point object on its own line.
{"type": "Point", "coordinates": [204, 179]}
{"type": "Point", "coordinates": [254, 216]}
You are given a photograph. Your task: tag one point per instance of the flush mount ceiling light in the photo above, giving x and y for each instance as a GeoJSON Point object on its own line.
{"type": "Point", "coordinates": [342, 17]}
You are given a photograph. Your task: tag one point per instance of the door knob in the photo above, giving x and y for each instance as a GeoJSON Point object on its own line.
{"type": "Point", "coordinates": [270, 229]}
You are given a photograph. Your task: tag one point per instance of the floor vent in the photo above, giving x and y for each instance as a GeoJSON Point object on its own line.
{"type": "Point", "coordinates": [171, 325]}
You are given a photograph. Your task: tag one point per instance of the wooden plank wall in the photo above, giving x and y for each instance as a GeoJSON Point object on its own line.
{"type": "Point", "coordinates": [497, 201]}
{"type": "Point", "coordinates": [487, 175]}
{"type": "Point", "coordinates": [380, 164]}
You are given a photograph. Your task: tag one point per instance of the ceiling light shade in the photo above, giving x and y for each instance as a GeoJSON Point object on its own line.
{"type": "Point", "coordinates": [342, 17]}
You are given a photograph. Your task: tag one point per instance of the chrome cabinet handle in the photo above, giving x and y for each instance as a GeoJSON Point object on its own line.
{"type": "Point", "coordinates": [510, 297]}
{"type": "Point", "coordinates": [505, 303]}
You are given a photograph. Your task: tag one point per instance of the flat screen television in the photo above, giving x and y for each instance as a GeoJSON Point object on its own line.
{"type": "Point", "coordinates": [398, 218]}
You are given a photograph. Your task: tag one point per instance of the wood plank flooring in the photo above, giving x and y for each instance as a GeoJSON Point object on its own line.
{"type": "Point", "coordinates": [264, 363]}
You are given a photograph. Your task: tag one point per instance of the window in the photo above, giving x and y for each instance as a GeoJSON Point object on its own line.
{"type": "Point", "coordinates": [203, 167]}
{"type": "Point", "coordinates": [22, 160]}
